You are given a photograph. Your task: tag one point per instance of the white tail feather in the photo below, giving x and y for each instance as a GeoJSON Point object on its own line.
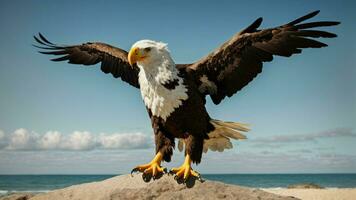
{"type": "Point", "coordinates": [219, 138]}
{"type": "Point", "coordinates": [233, 125]}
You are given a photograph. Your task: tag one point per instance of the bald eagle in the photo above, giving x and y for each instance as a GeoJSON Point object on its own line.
{"type": "Point", "coordinates": [175, 94]}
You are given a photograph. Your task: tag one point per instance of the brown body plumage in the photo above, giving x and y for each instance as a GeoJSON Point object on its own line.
{"type": "Point", "coordinates": [179, 125]}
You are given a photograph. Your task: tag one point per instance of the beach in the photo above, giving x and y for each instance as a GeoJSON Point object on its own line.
{"type": "Point", "coordinates": [303, 194]}
{"type": "Point", "coordinates": [133, 187]}
{"type": "Point", "coordinates": [317, 194]}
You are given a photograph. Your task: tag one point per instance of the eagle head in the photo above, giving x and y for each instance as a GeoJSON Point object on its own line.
{"type": "Point", "coordinates": [148, 53]}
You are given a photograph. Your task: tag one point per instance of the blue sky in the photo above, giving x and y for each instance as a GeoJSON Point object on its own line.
{"type": "Point", "coordinates": [61, 118]}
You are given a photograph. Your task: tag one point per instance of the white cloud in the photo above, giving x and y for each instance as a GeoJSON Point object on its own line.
{"type": "Point", "coordinates": [2, 134]}
{"type": "Point", "coordinates": [22, 139]}
{"type": "Point", "coordinates": [288, 138]}
{"type": "Point", "coordinates": [50, 140]}
{"type": "Point", "coordinates": [123, 141]}
{"type": "Point", "coordinates": [3, 143]}
{"type": "Point", "coordinates": [79, 141]}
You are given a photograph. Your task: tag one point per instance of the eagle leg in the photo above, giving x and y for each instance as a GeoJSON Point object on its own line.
{"type": "Point", "coordinates": [152, 169]}
{"type": "Point", "coordinates": [185, 171]}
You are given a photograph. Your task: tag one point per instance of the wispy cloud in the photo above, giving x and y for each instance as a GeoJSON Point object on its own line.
{"type": "Point", "coordinates": [301, 151]}
{"type": "Point", "coordinates": [273, 162]}
{"type": "Point", "coordinates": [22, 139]}
{"type": "Point", "coordinates": [2, 141]}
{"type": "Point", "coordinates": [288, 138]}
{"type": "Point", "coordinates": [2, 134]}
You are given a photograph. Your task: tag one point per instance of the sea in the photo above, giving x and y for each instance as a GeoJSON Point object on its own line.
{"type": "Point", "coordinates": [45, 183]}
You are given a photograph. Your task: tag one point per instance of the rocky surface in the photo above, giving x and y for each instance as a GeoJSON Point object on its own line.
{"type": "Point", "coordinates": [305, 186]}
{"type": "Point", "coordinates": [18, 196]}
{"type": "Point", "coordinates": [127, 187]}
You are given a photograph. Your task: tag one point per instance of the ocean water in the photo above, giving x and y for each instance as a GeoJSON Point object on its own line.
{"type": "Point", "coordinates": [45, 183]}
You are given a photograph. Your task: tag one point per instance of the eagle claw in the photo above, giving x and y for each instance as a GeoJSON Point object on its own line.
{"type": "Point", "coordinates": [132, 171]}
{"type": "Point", "coordinates": [184, 173]}
{"type": "Point", "coordinates": [152, 169]}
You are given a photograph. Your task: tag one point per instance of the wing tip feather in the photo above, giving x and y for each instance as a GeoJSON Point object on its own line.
{"type": "Point", "coordinates": [303, 18]}
{"type": "Point", "coordinates": [253, 27]}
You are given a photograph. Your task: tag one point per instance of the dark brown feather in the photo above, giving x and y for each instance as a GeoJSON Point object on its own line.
{"type": "Point", "coordinates": [44, 39]}
{"type": "Point", "coordinates": [315, 34]}
{"type": "Point", "coordinates": [305, 17]}
{"type": "Point", "coordinates": [253, 27]}
{"type": "Point", "coordinates": [171, 84]}
{"type": "Point", "coordinates": [316, 24]}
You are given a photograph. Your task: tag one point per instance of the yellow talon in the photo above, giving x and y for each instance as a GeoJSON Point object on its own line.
{"type": "Point", "coordinates": [185, 171]}
{"type": "Point", "coordinates": [153, 168]}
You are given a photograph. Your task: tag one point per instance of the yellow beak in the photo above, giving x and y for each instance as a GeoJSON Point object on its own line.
{"type": "Point", "coordinates": [135, 55]}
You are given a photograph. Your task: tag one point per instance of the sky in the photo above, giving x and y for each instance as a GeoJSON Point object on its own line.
{"type": "Point", "coordinates": [57, 118]}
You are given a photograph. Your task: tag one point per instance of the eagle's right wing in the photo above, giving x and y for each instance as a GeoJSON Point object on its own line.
{"type": "Point", "coordinates": [238, 61]}
{"type": "Point", "coordinates": [113, 60]}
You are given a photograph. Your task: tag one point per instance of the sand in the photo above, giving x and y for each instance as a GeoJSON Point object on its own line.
{"type": "Point", "coordinates": [317, 194]}
{"type": "Point", "coordinates": [127, 187]}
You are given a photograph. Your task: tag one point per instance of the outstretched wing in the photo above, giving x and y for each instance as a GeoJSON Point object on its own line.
{"type": "Point", "coordinates": [113, 60]}
{"type": "Point", "coordinates": [238, 61]}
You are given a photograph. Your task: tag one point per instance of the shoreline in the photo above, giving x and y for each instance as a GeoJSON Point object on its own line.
{"type": "Point", "coordinates": [53, 181]}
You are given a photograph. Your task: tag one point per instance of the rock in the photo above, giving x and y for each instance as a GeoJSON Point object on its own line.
{"type": "Point", "coordinates": [127, 187]}
{"type": "Point", "coordinates": [18, 196]}
{"type": "Point", "coordinates": [305, 186]}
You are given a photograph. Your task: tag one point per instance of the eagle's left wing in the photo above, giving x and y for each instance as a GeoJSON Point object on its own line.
{"type": "Point", "coordinates": [238, 61]}
{"type": "Point", "coordinates": [113, 60]}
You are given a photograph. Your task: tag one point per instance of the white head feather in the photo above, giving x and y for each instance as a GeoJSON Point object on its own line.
{"type": "Point", "coordinates": [150, 43]}
{"type": "Point", "coordinates": [157, 55]}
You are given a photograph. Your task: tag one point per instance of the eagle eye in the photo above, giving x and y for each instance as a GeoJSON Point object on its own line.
{"type": "Point", "coordinates": [147, 49]}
